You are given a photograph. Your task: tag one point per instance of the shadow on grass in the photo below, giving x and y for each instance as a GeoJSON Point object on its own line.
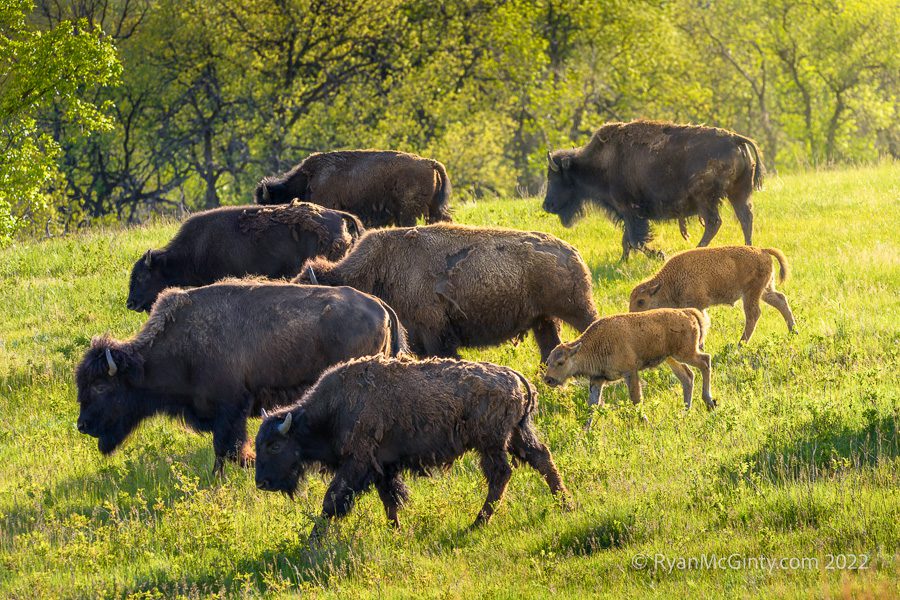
{"type": "Point", "coordinates": [820, 448]}
{"type": "Point", "coordinates": [613, 530]}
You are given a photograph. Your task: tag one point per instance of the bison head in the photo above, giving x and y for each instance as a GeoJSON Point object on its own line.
{"type": "Point", "coordinates": [281, 457]}
{"type": "Point", "coordinates": [105, 379]}
{"type": "Point", "coordinates": [150, 275]}
{"type": "Point", "coordinates": [645, 296]}
{"type": "Point", "coordinates": [565, 193]}
{"type": "Point", "coordinates": [561, 364]}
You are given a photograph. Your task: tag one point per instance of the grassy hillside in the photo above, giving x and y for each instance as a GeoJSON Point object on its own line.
{"type": "Point", "coordinates": [802, 459]}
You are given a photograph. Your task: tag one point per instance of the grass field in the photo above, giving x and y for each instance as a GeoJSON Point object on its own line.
{"type": "Point", "coordinates": [801, 459]}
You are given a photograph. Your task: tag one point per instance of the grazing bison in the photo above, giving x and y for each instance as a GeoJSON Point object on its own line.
{"type": "Point", "coordinates": [368, 420]}
{"type": "Point", "coordinates": [619, 346]}
{"type": "Point", "coordinates": [214, 355]}
{"type": "Point", "coordinates": [646, 171]}
{"type": "Point", "coordinates": [454, 285]}
{"type": "Point", "coordinates": [242, 240]}
{"type": "Point", "coordinates": [381, 187]}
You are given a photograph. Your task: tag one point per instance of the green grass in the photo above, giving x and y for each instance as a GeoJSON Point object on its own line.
{"type": "Point", "coordinates": [801, 459]}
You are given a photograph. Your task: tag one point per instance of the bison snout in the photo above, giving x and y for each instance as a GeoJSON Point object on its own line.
{"type": "Point", "coordinates": [550, 381]}
{"type": "Point", "coordinates": [81, 426]}
{"type": "Point", "coordinates": [263, 484]}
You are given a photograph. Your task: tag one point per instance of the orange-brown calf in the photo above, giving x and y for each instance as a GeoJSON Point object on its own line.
{"type": "Point", "coordinates": [703, 277]}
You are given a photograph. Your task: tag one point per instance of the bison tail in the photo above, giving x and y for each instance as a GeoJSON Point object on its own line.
{"type": "Point", "coordinates": [398, 332]}
{"type": "Point", "coordinates": [783, 267]}
{"type": "Point", "coordinates": [702, 319]}
{"type": "Point", "coordinates": [754, 160]}
{"type": "Point", "coordinates": [440, 203]}
{"type": "Point", "coordinates": [531, 400]}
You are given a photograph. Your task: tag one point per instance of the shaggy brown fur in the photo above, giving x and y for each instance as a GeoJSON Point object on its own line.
{"type": "Point", "coordinates": [456, 286]}
{"type": "Point", "coordinates": [647, 170]}
{"type": "Point", "coordinates": [236, 241]}
{"type": "Point", "coordinates": [703, 277]}
{"type": "Point", "coordinates": [215, 355]}
{"type": "Point", "coordinates": [381, 187]}
{"type": "Point", "coordinates": [368, 420]}
{"type": "Point", "coordinates": [620, 346]}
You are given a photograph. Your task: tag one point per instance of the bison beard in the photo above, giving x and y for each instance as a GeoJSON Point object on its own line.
{"type": "Point", "coordinates": [369, 420]}
{"type": "Point", "coordinates": [646, 171]}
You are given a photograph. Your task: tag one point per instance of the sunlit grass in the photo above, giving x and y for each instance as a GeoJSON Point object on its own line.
{"type": "Point", "coordinates": [801, 458]}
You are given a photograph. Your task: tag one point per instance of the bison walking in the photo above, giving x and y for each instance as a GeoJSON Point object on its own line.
{"type": "Point", "coordinates": [215, 355]}
{"type": "Point", "coordinates": [456, 286]}
{"type": "Point", "coordinates": [236, 241]}
{"type": "Point", "coordinates": [647, 171]}
{"type": "Point", "coordinates": [369, 420]}
{"type": "Point", "coordinates": [381, 187]}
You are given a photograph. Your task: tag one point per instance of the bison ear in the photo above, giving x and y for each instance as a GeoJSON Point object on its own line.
{"type": "Point", "coordinates": [574, 348]}
{"type": "Point", "coordinates": [566, 162]}
{"type": "Point", "coordinates": [654, 288]}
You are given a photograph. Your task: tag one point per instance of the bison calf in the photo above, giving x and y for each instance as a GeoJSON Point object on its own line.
{"type": "Point", "coordinates": [215, 355]}
{"type": "Point", "coordinates": [620, 346]}
{"type": "Point", "coordinates": [703, 277]}
{"type": "Point", "coordinates": [370, 419]}
{"type": "Point", "coordinates": [236, 241]}
{"type": "Point", "coordinates": [455, 286]}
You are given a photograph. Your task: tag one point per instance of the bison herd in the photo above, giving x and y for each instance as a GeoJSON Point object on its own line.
{"type": "Point", "coordinates": [350, 338]}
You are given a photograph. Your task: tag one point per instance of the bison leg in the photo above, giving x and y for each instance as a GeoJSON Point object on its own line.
{"type": "Point", "coordinates": [778, 300]}
{"type": "Point", "coordinates": [393, 493]}
{"type": "Point", "coordinates": [229, 440]}
{"type": "Point", "coordinates": [744, 213]}
{"type": "Point", "coordinates": [497, 472]}
{"type": "Point", "coordinates": [703, 362]}
{"type": "Point", "coordinates": [595, 398]}
{"type": "Point", "coordinates": [525, 444]}
{"type": "Point", "coordinates": [713, 222]}
{"type": "Point", "coordinates": [682, 227]}
{"type": "Point", "coordinates": [349, 480]}
{"type": "Point", "coordinates": [752, 312]}
{"type": "Point", "coordinates": [686, 377]}
{"type": "Point", "coordinates": [546, 334]}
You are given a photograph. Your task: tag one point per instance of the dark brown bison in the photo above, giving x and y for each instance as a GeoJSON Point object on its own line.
{"type": "Point", "coordinates": [236, 241]}
{"type": "Point", "coordinates": [382, 187]}
{"type": "Point", "coordinates": [455, 286]}
{"type": "Point", "coordinates": [368, 420]}
{"type": "Point", "coordinates": [214, 355]}
{"type": "Point", "coordinates": [647, 171]}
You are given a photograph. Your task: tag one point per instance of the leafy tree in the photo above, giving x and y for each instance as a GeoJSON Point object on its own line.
{"type": "Point", "coordinates": [37, 68]}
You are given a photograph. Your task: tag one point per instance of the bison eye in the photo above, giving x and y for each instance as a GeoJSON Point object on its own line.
{"type": "Point", "coordinates": [640, 302]}
{"type": "Point", "coordinates": [276, 448]}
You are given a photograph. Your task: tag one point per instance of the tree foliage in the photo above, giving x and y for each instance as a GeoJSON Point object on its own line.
{"type": "Point", "coordinates": [216, 94]}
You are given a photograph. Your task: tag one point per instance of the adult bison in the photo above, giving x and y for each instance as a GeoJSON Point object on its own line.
{"type": "Point", "coordinates": [646, 171]}
{"type": "Point", "coordinates": [214, 355]}
{"type": "Point", "coordinates": [236, 241]}
{"type": "Point", "coordinates": [382, 187]}
{"type": "Point", "coordinates": [455, 285]}
{"type": "Point", "coordinates": [369, 420]}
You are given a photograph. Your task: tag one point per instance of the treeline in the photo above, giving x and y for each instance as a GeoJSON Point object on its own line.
{"type": "Point", "coordinates": [211, 95]}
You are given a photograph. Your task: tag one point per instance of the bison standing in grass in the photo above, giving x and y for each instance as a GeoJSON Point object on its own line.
{"type": "Point", "coordinates": [455, 286]}
{"type": "Point", "coordinates": [236, 241]}
{"type": "Point", "coordinates": [648, 171]}
{"type": "Point", "coordinates": [369, 420]}
{"type": "Point", "coordinates": [382, 187]}
{"type": "Point", "coordinates": [214, 355]}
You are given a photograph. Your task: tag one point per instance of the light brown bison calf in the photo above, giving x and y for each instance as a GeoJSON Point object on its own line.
{"type": "Point", "coordinates": [368, 420]}
{"type": "Point", "coordinates": [620, 346]}
{"type": "Point", "coordinates": [703, 277]}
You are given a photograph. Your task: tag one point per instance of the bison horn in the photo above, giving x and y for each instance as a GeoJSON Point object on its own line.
{"type": "Point", "coordinates": [148, 258]}
{"type": "Point", "coordinates": [113, 369]}
{"type": "Point", "coordinates": [264, 414]}
{"type": "Point", "coordinates": [286, 424]}
{"type": "Point", "coordinates": [265, 192]}
{"type": "Point", "coordinates": [312, 276]}
{"type": "Point", "coordinates": [553, 166]}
